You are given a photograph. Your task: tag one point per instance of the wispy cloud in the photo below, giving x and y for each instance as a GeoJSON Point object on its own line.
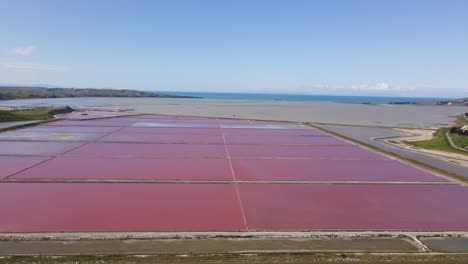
{"type": "Point", "coordinates": [380, 87]}
{"type": "Point", "coordinates": [22, 50]}
{"type": "Point", "coordinates": [32, 66]}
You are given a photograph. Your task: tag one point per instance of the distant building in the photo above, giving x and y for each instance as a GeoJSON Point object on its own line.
{"type": "Point", "coordinates": [444, 103]}
{"type": "Point", "coordinates": [15, 108]}
{"type": "Point", "coordinates": [22, 108]}
{"type": "Point", "coordinates": [6, 108]}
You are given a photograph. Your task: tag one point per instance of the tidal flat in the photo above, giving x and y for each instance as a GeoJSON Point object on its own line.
{"type": "Point", "coordinates": [384, 115]}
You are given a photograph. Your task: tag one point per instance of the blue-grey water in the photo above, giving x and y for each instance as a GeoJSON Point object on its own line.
{"type": "Point", "coordinates": [299, 97]}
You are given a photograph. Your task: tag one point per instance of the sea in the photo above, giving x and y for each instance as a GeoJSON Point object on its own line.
{"type": "Point", "coordinates": [301, 97]}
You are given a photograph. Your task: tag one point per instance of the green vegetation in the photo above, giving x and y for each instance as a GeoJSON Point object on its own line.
{"type": "Point", "coordinates": [460, 141]}
{"type": "Point", "coordinates": [9, 93]}
{"type": "Point", "coordinates": [440, 141]}
{"type": "Point", "coordinates": [39, 113]}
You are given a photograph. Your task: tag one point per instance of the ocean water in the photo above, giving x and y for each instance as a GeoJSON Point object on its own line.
{"type": "Point", "coordinates": [299, 97]}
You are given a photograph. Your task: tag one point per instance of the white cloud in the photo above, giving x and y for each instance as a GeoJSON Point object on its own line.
{"type": "Point", "coordinates": [380, 87]}
{"type": "Point", "coordinates": [22, 50]}
{"type": "Point", "coordinates": [32, 66]}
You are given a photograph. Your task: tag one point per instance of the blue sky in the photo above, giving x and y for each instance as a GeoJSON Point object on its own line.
{"type": "Point", "coordinates": [397, 48]}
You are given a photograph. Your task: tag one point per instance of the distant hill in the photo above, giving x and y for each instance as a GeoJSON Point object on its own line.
{"type": "Point", "coordinates": [20, 92]}
{"type": "Point", "coordinates": [459, 102]}
{"type": "Point", "coordinates": [455, 102]}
